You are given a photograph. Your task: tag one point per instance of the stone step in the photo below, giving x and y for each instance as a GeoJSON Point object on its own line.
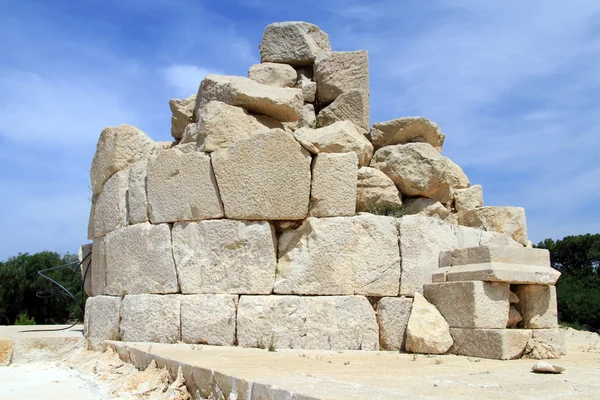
{"type": "Point", "coordinates": [501, 272]}
{"type": "Point", "coordinates": [495, 254]}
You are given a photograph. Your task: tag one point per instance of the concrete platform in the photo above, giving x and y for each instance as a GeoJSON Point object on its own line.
{"type": "Point", "coordinates": [43, 337]}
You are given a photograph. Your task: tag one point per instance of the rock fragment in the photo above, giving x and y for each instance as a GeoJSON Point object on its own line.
{"type": "Point", "coordinates": [427, 331]}
{"type": "Point", "coordinates": [183, 111]}
{"type": "Point", "coordinates": [294, 42]}
{"type": "Point", "coordinates": [281, 75]}
{"type": "Point", "coordinates": [544, 367]}
{"type": "Point", "coordinates": [407, 130]}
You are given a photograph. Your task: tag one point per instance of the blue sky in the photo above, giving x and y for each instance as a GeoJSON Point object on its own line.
{"type": "Point", "coordinates": [514, 84]}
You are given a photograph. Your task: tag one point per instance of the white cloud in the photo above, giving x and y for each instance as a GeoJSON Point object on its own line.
{"type": "Point", "coordinates": [185, 79]}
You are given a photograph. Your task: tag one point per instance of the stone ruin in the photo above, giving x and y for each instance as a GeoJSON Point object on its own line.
{"type": "Point", "coordinates": [279, 218]}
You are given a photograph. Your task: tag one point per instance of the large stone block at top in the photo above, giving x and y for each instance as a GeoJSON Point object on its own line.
{"type": "Point", "coordinates": [406, 130]}
{"type": "Point", "coordinates": [181, 187]}
{"type": "Point", "coordinates": [117, 148]}
{"type": "Point", "coordinates": [341, 72]}
{"type": "Point", "coordinates": [265, 177]}
{"type": "Point", "coordinates": [304, 322]}
{"type": "Point", "coordinates": [139, 259]}
{"type": "Point", "coordinates": [340, 255]}
{"type": "Point", "coordinates": [508, 220]}
{"type": "Point", "coordinates": [225, 256]}
{"type": "Point", "coordinates": [151, 318]}
{"type": "Point", "coordinates": [333, 190]}
{"type": "Point", "coordinates": [293, 42]}
{"type": "Point", "coordinates": [418, 169]}
{"type": "Point", "coordinates": [283, 104]}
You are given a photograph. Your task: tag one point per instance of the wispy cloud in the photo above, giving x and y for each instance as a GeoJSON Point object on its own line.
{"type": "Point", "coordinates": [185, 79]}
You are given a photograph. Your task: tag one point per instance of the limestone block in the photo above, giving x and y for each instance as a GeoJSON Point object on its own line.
{"type": "Point", "coordinates": [225, 256]}
{"type": "Point", "coordinates": [340, 137]}
{"type": "Point", "coordinates": [472, 304]}
{"type": "Point", "coordinates": [376, 192]}
{"type": "Point", "coordinates": [281, 75]}
{"type": "Point", "coordinates": [283, 104]}
{"type": "Point", "coordinates": [513, 298]}
{"type": "Point", "coordinates": [98, 267]}
{"type": "Point", "coordinates": [341, 72]}
{"type": "Point", "coordinates": [139, 259]}
{"type": "Point", "coordinates": [208, 319]}
{"type": "Point", "coordinates": [182, 187]}
{"type": "Point", "coordinates": [265, 177]}
{"type": "Point", "coordinates": [333, 191]}
{"type": "Point", "coordinates": [407, 130]}
{"type": "Point", "coordinates": [427, 207]}
{"type": "Point", "coordinates": [340, 255]}
{"type": "Point", "coordinates": [183, 111]}
{"type": "Point", "coordinates": [418, 169]}
{"type": "Point", "coordinates": [90, 229]}
{"type": "Point", "coordinates": [102, 314]}
{"type": "Point", "coordinates": [84, 256]}
{"type": "Point", "coordinates": [352, 106]}
{"type": "Point", "coordinates": [537, 305]}
{"type": "Point", "coordinates": [499, 344]}
{"type": "Point", "coordinates": [508, 220]}
{"type": "Point", "coordinates": [468, 198]}
{"type": "Point", "coordinates": [136, 195]}
{"type": "Point", "coordinates": [293, 42]}
{"type": "Point", "coordinates": [427, 330]}
{"type": "Point", "coordinates": [150, 318]}
{"type": "Point", "coordinates": [439, 275]}
{"type": "Point", "coordinates": [517, 274]}
{"type": "Point", "coordinates": [514, 317]}
{"type": "Point", "coordinates": [546, 344]}
{"type": "Point", "coordinates": [392, 316]}
{"type": "Point", "coordinates": [221, 125]}
{"type": "Point", "coordinates": [110, 211]}
{"type": "Point", "coordinates": [308, 87]}
{"type": "Point", "coordinates": [301, 322]}
{"type": "Point", "coordinates": [308, 119]}
{"type": "Point", "coordinates": [499, 254]}
{"type": "Point", "coordinates": [6, 350]}
{"type": "Point", "coordinates": [117, 148]}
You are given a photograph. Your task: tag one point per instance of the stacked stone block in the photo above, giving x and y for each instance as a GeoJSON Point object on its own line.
{"type": "Point", "coordinates": [273, 219]}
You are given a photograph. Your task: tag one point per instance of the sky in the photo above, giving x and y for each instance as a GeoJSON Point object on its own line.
{"type": "Point", "coordinates": [514, 85]}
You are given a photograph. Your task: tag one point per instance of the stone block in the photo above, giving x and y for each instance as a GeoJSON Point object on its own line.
{"type": "Point", "coordinates": [208, 319]}
{"type": "Point", "coordinates": [375, 191]}
{"type": "Point", "coordinates": [303, 322]}
{"type": "Point", "coordinates": [137, 200]}
{"type": "Point", "coordinates": [139, 259]}
{"type": "Point", "coordinates": [225, 256]}
{"type": "Point", "coordinates": [281, 75]}
{"type": "Point", "coordinates": [340, 256]}
{"type": "Point", "coordinates": [427, 330]}
{"type": "Point", "coordinates": [183, 113]}
{"type": "Point", "coordinates": [517, 274]}
{"type": "Point", "coordinates": [98, 267]}
{"type": "Point", "coordinates": [293, 42]}
{"type": "Point", "coordinates": [537, 305]}
{"type": "Point", "coordinates": [265, 177]}
{"type": "Point", "coordinates": [392, 316]}
{"type": "Point", "coordinates": [468, 198]}
{"type": "Point", "coordinates": [472, 304]}
{"type": "Point", "coordinates": [182, 187]}
{"type": "Point", "coordinates": [352, 106]}
{"type": "Point", "coordinates": [425, 206]}
{"type": "Point", "coordinates": [308, 87]}
{"type": "Point", "coordinates": [439, 275]}
{"type": "Point", "coordinates": [84, 257]}
{"type": "Point", "coordinates": [150, 318]}
{"type": "Point", "coordinates": [407, 130]}
{"type": "Point", "coordinates": [341, 72]}
{"type": "Point", "coordinates": [102, 314]}
{"type": "Point", "coordinates": [6, 351]}
{"type": "Point", "coordinates": [333, 190]}
{"type": "Point", "coordinates": [508, 220]}
{"type": "Point", "coordinates": [110, 210]}
{"type": "Point", "coordinates": [499, 344]}
{"type": "Point", "coordinates": [546, 344]}
{"type": "Point", "coordinates": [498, 254]}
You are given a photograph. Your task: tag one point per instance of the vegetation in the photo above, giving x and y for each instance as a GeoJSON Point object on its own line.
{"type": "Point", "coordinates": [20, 284]}
{"type": "Point", "coordinates": [578, 289]}
{"type": "Point", "coordinates": [389, 210]}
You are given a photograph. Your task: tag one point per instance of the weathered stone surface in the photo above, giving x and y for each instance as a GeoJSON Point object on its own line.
{"type": "Point", "coordinates": [90, 229]}
{"type": "Point", "coordinates": [425, 206]}
{"type": "Point", "coordinates": [537, 305]}
{"type": "Point", "coordinates": [500, 344]}
{"type": "Point", "coordinates": [221, 125]}
{"type": "Point", "coordinates": [468, 198]}
{"type": "Point", "coordinates": [340, 255]}
{"type": "Point", "coordinates": [508, 220]}
{"type": "Point", "coordinates": [514, 317]}
{"type": "Point", "coordinates": [299, 322]}
{"type": "Point", "coordinates": [498, 254]}
{"type": "Point", "coordinates": [281, 75]}
{"type": "Point", "coordinates": [392, 315]}
{"type": "Point", "coordinates": [208, 319]}
{"type": "Point", "coordinates": [545, 344]}
{"type": "Point", "coordinates": [6, 350]}
{"type": "Point", "coordinates": [182, 187]}
{"type": "Point", "coordinates": [84, 256]}
{"type": "Point", "coordinates": [117, 148]}
{"type": "Point", "coordinates": [110, 210]}
{"type": "Point", "coordinates": [308, 119]}
{"type": "Point", "coordinates": [265, 177]}
{"type": "Point", "coordinates": [472, 304]}
{"type": "Point", "coordinates": [293, 42]}
{"type": "Point", "coordinates": [439, 275]}
{"type": "Point", "coordinates": [544, 367]}
{"type": "Point", "coordinates": [340, 137]}
{"type": "Point", "coordinates": [406, 130]}
{"type": "Point", "coordinates": [150, 318]}
{"type": "Point", "coordinates": [137, 200]}
{"type": "Point", "coordinates": [225, 256]}
{"type": "Point", "coordinates": [418, 169]}
{"type": "Point", "coordinates": [283, 104]}
{"type": "Point", "coordinates": [98, 267]}
{"type": "Point", "coordinates": [375, 191]}
{"type": "Point", "coordinates": [333, 191]}
{"type": "Point", "coordinates": [102, 314]}
{"type": "Point", "coordinates": [341, 72]}
{"type": "Point", "coordinates": [183, 111]}
{"type": "Point", "coordinates": [427, 331]}
{"type": "Point", "coordinates": [503, 272]}
{"type": "Point", "coordinates": [308, 87]}
{"type": "Point", "coordinates": [351, 106]}
{"type": "Point", "coordinates": [513, 298]}
{"type": "Point", "coordinates": [139, 260]}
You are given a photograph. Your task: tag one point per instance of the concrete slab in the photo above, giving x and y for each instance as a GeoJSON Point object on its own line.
{"type": "Point", "coordinates": [42, 337]}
